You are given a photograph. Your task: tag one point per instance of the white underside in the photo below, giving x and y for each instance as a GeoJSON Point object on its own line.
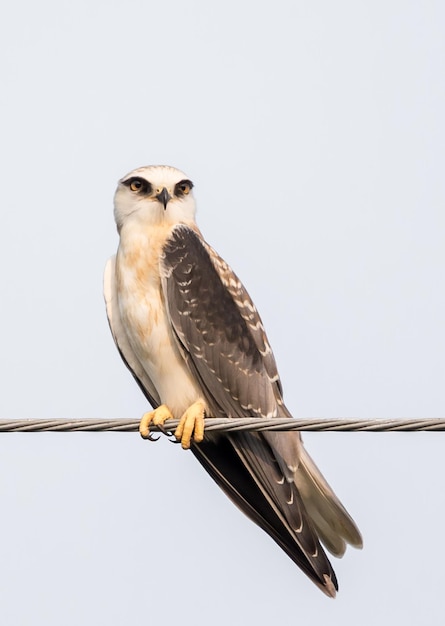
{"type": "Point", "coordinates": [142, 330]}
{"type": "Point", "coordinates": [156, 350]}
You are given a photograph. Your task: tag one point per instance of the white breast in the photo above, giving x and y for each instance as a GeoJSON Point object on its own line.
{"type": "Point", "coordinates": [147, 325]}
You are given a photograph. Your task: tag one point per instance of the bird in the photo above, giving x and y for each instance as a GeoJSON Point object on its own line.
{"type": "Point", "coordinates": [192, 338]}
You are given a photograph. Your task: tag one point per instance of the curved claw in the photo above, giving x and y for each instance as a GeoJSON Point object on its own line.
{"type": "Point", "coordinates": [161, 428]}
{"type": "Point", "coordinates": [151, 437]}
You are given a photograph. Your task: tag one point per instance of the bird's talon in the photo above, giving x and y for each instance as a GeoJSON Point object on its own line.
{"type": "Point", "coordinates": [191, 425]}
{"type": "Point", "coordinates": [156, 417]}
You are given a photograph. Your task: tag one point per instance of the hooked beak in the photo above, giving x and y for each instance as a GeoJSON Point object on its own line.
{"type": "Point", "coordinates": [163, 196]}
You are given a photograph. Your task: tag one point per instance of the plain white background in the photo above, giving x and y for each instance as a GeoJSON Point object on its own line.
{"type": "Point", "coordinates": [314, 134]}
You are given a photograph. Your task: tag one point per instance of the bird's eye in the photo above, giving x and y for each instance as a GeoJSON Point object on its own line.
{"type": "Point", "coordinates": [138, 185]}
{"type": "Point", "coordinates": [183, 187]}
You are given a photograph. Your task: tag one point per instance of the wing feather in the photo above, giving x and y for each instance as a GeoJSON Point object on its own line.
{"type": "Point", "coordinates": [224, 343]}
{"type": "Point", "coordinates": [226, 460]}
{"type": "Point", "coordinates": [224, 348]}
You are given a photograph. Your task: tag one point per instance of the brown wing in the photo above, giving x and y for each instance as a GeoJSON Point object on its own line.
{"type": "Point", "coordinates": [223, 341]}
{"type": "Point", "coordinates": [243, 465]}
{"type": "Point", "coordinates": [222, 336]}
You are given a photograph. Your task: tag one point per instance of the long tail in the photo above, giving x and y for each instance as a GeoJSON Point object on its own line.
{"type": "Point", "coordinates": [334, 525]}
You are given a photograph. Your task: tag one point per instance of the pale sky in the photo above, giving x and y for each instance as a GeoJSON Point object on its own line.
{"type": "Point", "coordinates": [314, 134]}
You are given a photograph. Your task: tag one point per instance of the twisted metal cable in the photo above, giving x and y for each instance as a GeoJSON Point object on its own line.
{"type": "Point", "coordinates": [228, 425]}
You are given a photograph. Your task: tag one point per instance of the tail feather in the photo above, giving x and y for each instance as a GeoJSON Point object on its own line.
{"type": "Point", "coordinates": [334, 525]}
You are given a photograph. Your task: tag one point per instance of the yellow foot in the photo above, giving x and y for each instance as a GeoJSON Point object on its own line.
{"type": "Point", "coordinates": [191, 423]}
{"type": "Point", "coordinates": [156, 417]}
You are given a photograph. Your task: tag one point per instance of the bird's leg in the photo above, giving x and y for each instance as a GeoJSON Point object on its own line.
{"type": "Point", "coordinates": [191, 424]}
{"type": "Point", "coordinates": [156, 417]}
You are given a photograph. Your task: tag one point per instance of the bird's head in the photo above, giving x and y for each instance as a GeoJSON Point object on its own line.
{"type": "Point", "coordinates": [152, 195]}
